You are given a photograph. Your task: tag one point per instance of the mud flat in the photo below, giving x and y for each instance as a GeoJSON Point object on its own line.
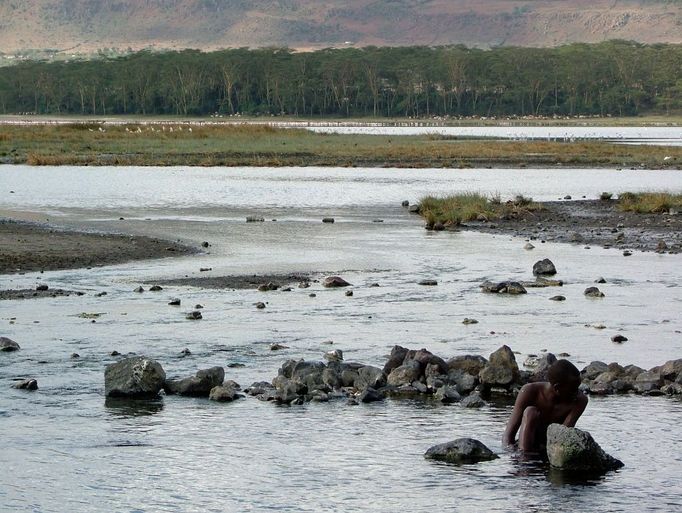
{"type": "Point", "coordinates": [592, 222]}
{"type": "Point", "coordinates": [29, 247]}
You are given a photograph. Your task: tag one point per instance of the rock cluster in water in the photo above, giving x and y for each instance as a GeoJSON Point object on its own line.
{"type": "Point", "coordinates": [143, 378]}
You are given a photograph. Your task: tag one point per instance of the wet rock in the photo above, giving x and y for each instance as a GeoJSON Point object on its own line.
{"type": "Point", "coordinates": [194, 315]}
{"type": "Point", "coordinates": [174, 302]}
{"type": "Point", "coordinates": [600, 280]}
{"type": "Point", "coordinates": [114, 353]}
{"type": "Point", "coordinates": [544, 267]}
{"type": "Point", "coordinates": [438, 227]}
{"type": "Point", "coordinates": [414, 209]}
{"type": "Point", "coordinates": [472, 401]}
{"type": "Point", "coordinates": [396, 358]}
{"type": "Point", "coordinates": [503, 287]}
{"type": "Point", "coordinates": [460, 451]}
{"type": "Point", "coordinates": [464, 382]}
{"type": "Point", "coordinates": [185, 352]}
{"type": "Point", "coordinates": [572, 449]}
{"type": "Point", "coordinates": [303, 285]}
{"type": "Point", "coordinates": [75, 356]}
{"type": "Point", "coordinates": [501, 370]}
{"type": "Point", "coordinates": [467, 321]}
{"type": "Point", "coordinates": [428, 283]}
{"type": "Point", "coordinates": [224, 394]}
{"type": "Point", "coordinates": [425, 357]}
{"type": "Point", "coordinates": [136, 377]}
{"type": "Point", "coordinates": [277, 347]}
{"type": "Point", "coordinates": [671, 370]}
{"type": "Point", "coordinates": [619, 339]}
{"type": "Point", "coordinates": [370, 395]}
{"type": "Point", "coordinates": [405, 374]}
{"type": "Point", "coordinates": [648, 382]}
{"type": "Point", "coordinates": [255, 219]}
{"type": "Point", "coordinates": [27, 384]}
{"type": "Point", "coordinates": [205, 244]}
{"type": "Point", "coordinates": [139, 289]}
{"type": "Point", "coordinates": [593, 370]}
{"type": "Point", "coordinates": [558, 298]}
{"type": "Point", "coordinates": [198, 307]}
{"type": "Point", "coordinates": [541, 282]}
{"type": "Point", "coordinates": [469, 363]}
{"type": "Point", "coordinates": [528, 246]}
{"type": "Point", "coordinates": [349, 293]}
{"type": "Point", "coordinates": [593, 292]}
{"type": "Point", "coordinates": [156, 288]}
{"type": "Point", "coordinates": [334, 281]}
{"type": "Point", "coordinates": [328, 220]}
{"type": "Point", "coordinates": [447, 395]}
{"type": "Point", "coordinates": [265, 287]}
{"type": "Point", "coordinates": [7, 345]}
{"type": "Point", "coordinates": [405, 203]}
{"type": "Point", "coordinates": [260, 305]}
{"type": "Point", "coordinates": [199, 385]}
{"type": "Point", "coordinates": [661, 246]}
{"type": "Point", "coordinates": [369, 376]}
{"type": "Point", "coordinates": [627, 253]}
{"type": "Point", "coordinates": [542, 365]}
{"type": "Point", "coordinates": [42, 287]}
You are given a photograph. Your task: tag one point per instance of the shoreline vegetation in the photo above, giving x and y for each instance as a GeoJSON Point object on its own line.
{"type": "Point", "coordinates": [453, 210]}
{"type": "Point", "coordinates": [262, 145]}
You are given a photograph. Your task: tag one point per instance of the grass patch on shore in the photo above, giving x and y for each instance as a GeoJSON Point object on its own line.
{"type": "Point", "coordinates": [649, 202]}
{"type": "Point", "coordinates": [175, 143]}
{"type": "Point", "coordinates": [455, 209]}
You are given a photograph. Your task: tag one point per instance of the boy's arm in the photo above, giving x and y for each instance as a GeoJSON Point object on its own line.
{"type": "Point", "coordinates": [577, 411]}
{"type": "Point", "coordinates": [523, 400]}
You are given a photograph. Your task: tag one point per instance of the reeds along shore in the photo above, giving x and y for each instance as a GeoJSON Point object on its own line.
{"type": "Point", "coordinates": [262, 145]}
{"type": "Point", "coordinates": [452, 210]}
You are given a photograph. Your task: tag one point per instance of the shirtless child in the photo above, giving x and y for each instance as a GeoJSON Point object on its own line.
{"type": "Point", "coordinates": [540, 404]}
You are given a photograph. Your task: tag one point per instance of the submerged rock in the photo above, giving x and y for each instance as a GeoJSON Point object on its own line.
{"type": "Point", "coordinates": [575, 450]}
{"type": "Point", "coordinates": [199, 385]}
{"type": "Point", "coordinates": [593, 292]}
{"type": "Point", "coordinates": [224, 393]}
{"type": "Point", "coordinates": [138, 377]}
{"type": "Point", "coordinates": [26, 384]}
{"type": "Point", "coordinates": [7, 345]}
{"type": "Point", "coordinates": [334, 281]}
{"type": "Point", "coordinates": [462, 450]}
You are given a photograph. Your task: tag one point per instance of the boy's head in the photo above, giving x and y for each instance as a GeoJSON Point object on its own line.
{"type": "Point", "coordinates": [565, 378]}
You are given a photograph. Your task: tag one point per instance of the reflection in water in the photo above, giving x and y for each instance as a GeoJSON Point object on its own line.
{"type": "Point", "coordinates": [560, 477]}
{"type": "Point", "coordinates": [121, 407]}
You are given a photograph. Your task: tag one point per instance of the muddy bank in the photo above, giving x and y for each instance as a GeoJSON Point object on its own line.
{"type": "Point", "coordinates": [29, 247]}
{"type": "Point", "coordinates": [592, 223]}
{"type": "Point", "coordinates": [249, 281]}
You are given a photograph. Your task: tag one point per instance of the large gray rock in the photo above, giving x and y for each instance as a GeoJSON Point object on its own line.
{"type": "Point", "coordinates": [334, 281]}
{"type": "Point", "coordinates": [469, 363]}
{"type": "Point", "coordinates": [426, 357]}
{"type": "Point", "coordinates": [462, 450]}
{"type": "Point", "coordinates": [199, 385]}
{"type": "Point", "coordinates": [593, 370]}
{"type": "Point", "coordinates": [501, 370]}
{"type": "Point", "coordinates": [369, 376]}
{"type": "Point", "coordinates": [137, 377]}
{"type": "Point", "coordinates": [544, 268]}
{"type": "Point", "coordinates": [26, 384]}
{"type": "Point", "coordinates": [396, 358]}
{"type": "Point", "coordinates": [543, 363]}
{"type": "Point", "coordinates": [224, 393]}
{"type": "Point", "coordinates": [575, 450]}
{"type": "Point", "coordinates": [671, 369]}
{"type": "Point", "coordinates": [7, 345]}
{"type": "Point", "coordinates": [648, 382]}
{"type": "Point", "coordinates": [405, 374]}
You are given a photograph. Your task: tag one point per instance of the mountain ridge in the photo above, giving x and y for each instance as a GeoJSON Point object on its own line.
{"type": "Point", "coordinates": [89, 25]}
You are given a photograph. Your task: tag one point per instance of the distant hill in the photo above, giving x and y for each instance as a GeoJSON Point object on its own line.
{"type": "Point", "coordinates": [89, 25]}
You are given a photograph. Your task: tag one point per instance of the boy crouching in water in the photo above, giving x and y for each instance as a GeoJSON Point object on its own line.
{"type": "Point", "coordinates": [540, 404]}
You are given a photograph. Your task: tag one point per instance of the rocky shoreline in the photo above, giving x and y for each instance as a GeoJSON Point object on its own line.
{"type": "Point", "coordinates": [591, 223]}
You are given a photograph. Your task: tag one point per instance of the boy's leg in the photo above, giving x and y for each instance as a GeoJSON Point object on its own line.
{"type": "Point", "coordinates": [529, 429]}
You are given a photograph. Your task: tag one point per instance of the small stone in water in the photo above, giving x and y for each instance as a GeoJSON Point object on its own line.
{"type": "Point", "coordinates": [174, 302]}
{"type": "Point", "coordinates": [198, 307]}
{"type": "Point", "coordinates": [619, 339]}
{"type": "Point", "coordinates": [138, 289]}
{"type": "Point", "coordinates": [194, 316]}
{"type": "Point", "coordinates": [277, 347]}
{"type": "Point", "coordinates": [557, 298]}
{"type": "Point", "coordinates": [469, 321]}
{"type": "Point", "coordinates": [349, 293]}
{"type": "Point", "coordinates": [42, 287]}
{"type": "Point", "coordinates": [260, 305]}
{"type": "Point", "coordinates": [156, 288]}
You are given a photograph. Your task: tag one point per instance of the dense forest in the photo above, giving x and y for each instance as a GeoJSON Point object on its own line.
{"type": "Point", "coordinates": [613, 78]}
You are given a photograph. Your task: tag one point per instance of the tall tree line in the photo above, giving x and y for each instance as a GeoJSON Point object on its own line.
{"type": "Point", "coordinates": [611, 78]}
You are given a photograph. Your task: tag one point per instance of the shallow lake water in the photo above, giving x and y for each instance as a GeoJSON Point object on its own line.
{"type": "Point", "coordinates": [66, 449]}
